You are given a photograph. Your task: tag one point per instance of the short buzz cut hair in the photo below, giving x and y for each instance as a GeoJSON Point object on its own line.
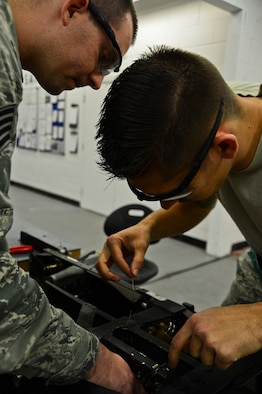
{"type": "Point", "coordinates": [115, 10]}
{"type": "Point", "coordinates": [158, 113]}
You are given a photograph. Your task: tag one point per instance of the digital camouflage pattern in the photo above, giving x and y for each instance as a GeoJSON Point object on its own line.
{"type": "Point", "coordinates": [247, 285]}
{"type": "Point", "coordinates": [36, 339]}
{"type": "Point", "coordinates": [10, 97]}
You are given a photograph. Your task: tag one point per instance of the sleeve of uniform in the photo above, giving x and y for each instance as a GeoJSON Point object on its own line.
{"type": "Point", "coordinates": [37, 339]}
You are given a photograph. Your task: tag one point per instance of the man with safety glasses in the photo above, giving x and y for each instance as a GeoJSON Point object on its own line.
{"type": "Point", "coordinates": [180, 135]}
{"type": "Point", "coordinates": [65, 44]}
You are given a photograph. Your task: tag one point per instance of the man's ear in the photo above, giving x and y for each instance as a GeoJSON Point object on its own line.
{"type": "Point", "coordinates": [70, 7]}
{"type": "Point", "coordinates": [225, 144]}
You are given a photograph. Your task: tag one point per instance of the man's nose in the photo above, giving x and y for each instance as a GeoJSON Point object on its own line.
{"type": "Point", "coordinates": [96, 80]}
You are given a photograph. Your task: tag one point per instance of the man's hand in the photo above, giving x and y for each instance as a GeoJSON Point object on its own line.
{"type": "Point", "coordinates": [219, 336]}
{"type": "Point", "coordinates": [112, 372]}
{"type": "Point", "coordinates": [132, 241]}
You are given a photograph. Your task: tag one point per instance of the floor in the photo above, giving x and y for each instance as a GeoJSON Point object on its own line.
{"type": "Point", "coordinates": [186, 273]}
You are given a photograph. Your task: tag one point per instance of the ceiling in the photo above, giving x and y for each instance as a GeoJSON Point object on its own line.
{"type": "Point", "coordinates": [145, 6]}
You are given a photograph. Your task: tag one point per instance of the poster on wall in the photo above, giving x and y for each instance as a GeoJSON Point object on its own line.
{"type": "Point", "coordinates": [51, 123]}
{"type": "Point", "coordinates": [27, 120]}
{"type": "Point", "coordinates": [73, 115]}
{"type": "Point", "coordinates": [41, 120]}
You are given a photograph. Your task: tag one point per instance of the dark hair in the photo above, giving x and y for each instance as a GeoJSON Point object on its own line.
{"type": "Point", "coordinates": [115, 10]}
{"type": "Point", "coordinates": [158, 113]}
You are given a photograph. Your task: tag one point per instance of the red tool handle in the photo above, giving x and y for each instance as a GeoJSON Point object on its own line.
{"type": "Point", "coordinates": [19, 249]}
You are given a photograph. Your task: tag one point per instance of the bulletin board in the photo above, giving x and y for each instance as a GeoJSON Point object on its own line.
{"type": "Point", "coordinates": [27, 120]}
{"type": "Point", "coordinates": [45, 121]}
{"type": "Point", "coordinates": [51, 123]}
{"type": "Point", "coordinates": [41, 121]}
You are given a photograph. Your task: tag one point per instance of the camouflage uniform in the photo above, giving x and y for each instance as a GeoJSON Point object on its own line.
{"type": "Point", "coordinates": [36, 339]}
{"type": "Point", "coordinates": [247, 285]}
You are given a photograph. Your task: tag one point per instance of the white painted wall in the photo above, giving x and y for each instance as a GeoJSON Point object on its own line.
{"type": "Point", "coordinates": [192, 25]}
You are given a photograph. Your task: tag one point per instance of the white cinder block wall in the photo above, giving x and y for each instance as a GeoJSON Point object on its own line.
{"type": "Point", "coordinates": [228, 33]}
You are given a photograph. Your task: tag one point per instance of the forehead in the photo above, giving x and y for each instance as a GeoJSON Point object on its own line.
{"type": "Point", "coordinates": [154, 183]}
